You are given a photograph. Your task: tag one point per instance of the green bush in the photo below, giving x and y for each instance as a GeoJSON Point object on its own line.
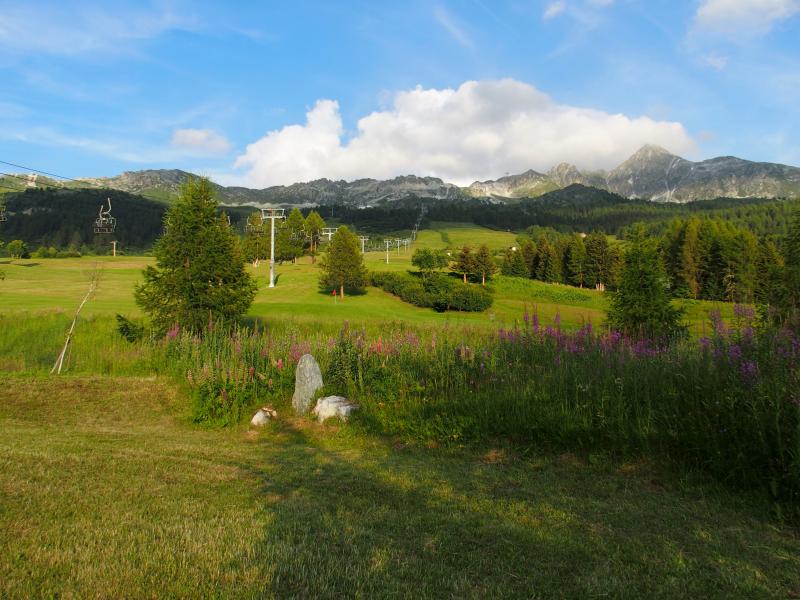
{"type": "Point", "coordinates": [437, 291]}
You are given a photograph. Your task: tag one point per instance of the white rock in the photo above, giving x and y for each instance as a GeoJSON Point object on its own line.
{"type": "Point", "coordinates": [334, 406]}
{"type": "Point", "coordinates": [307, 380]}
{"type": "Point", "coordinates": [263, 416]}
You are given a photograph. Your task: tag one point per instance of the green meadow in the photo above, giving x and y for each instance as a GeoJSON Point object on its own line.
{"type": "Point", "coordinates": [59, 284]}
{"type": "Point", "coordinates": [108, 489]}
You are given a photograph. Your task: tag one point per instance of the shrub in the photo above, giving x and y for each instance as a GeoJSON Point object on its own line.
{"type": "Point", "coordinates": [436, 290]}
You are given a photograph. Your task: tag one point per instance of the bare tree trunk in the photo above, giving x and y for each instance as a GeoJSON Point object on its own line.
{"type": "Point", "coordinates": [341, 291]}
{"type": "Point", "coordinates": [94, 277]}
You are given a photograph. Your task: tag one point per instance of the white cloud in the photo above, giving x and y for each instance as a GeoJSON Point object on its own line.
{"type": "Point", "coordinates": [200, 141]}
{"type": "Point", "coordinates": [554, 9]}
{"type": "Point", "coordinates": [452, 27]}
{"type": "Point", "coordinates": [743, 17]}
{"type": "Point", "coordinates": [478, 131]}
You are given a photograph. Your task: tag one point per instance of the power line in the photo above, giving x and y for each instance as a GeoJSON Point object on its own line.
{"type": "Point", "coordinates": [10, 164]}
{"type": "Point", "coordinates": [84, 181]}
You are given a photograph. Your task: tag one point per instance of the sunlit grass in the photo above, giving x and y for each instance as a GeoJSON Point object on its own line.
{"type": "Point", "coordinates": [108, 491]}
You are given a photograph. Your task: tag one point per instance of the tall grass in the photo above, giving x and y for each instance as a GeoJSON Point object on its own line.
{"type": "Point", "coordinates": [728, 404]}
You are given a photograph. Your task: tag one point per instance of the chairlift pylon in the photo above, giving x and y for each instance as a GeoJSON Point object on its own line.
{"type": "Point", "coordinates": [105, 223]}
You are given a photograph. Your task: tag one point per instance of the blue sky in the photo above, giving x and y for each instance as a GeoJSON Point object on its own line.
{"type": "Point", "coordinates": [260, 93]}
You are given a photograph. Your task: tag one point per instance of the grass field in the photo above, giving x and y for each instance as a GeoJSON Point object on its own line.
{"type": "Point", "coordinates": [47, 284]}
{"type": "Point", "coordinates": [107, 491]}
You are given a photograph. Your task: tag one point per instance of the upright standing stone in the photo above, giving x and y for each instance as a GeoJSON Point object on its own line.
{"type": "Point", "coordinates": [307, 380]}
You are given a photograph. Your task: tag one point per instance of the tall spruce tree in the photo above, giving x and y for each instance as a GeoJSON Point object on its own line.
{"type": "Point", "coordinates": [549, 263]}
{"type": "Point", "coordinates": [200, 274]}
{"type": "Point", "coordinates": [641, 306]}
{"type": "Point", "coordinates": [314, 225]}
{"type": "Point", "coordinates": [791, 284]}
{"type": "Point", "coordinates": [343, 264]}
{"type": "Point", "coordinates": [576, 261]}
{"type": "Point", "coordinates": [485, 265]}
{"type": "Point", "coordinates": [465, 263]}
{"type": "Point", "coordinates": [596, 270]}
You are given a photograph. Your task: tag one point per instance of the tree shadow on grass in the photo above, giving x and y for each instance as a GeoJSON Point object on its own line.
{"type": "Point", "coordinates": [386, 522]}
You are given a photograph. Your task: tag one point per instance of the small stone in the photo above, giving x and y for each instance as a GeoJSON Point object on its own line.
{"type": "Point", "coordinates": [307, 380]}
{"type": "Point", "coordinates": [263, 416]}
{"type": "Point", "coordinates": [334, 406]}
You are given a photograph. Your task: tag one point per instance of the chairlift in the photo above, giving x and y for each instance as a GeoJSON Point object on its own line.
{"type": "Point", "coordinates": [105, 223]}
{"type": "Point", "coordinates": [255, 225]}
{"type": "Point", "coordinates": [3, 216]}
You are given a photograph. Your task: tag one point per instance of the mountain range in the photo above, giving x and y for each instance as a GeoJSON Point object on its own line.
{"type": "Point", "coordinates": [652, 173]}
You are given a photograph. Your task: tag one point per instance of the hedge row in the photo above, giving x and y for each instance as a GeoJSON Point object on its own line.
{"type": "Point", "coordinates": [437, 291]}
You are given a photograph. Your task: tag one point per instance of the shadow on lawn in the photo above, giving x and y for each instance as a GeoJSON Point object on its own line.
{"type": "Point", "coordinates": [392, 522]}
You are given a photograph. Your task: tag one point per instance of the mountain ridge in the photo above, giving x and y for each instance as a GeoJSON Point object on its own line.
{"type": "Point", "coordinates": [651, 173]}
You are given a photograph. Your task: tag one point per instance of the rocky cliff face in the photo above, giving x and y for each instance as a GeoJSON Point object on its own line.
{"type": "Point", "coordinates": [362, 192]}
{"type": "Point", "coordinates": [651, 173]}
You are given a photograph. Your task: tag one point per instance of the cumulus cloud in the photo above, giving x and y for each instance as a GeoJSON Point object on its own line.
{"type": "Point", "coordinates": [200, 141]}
{"type": "Point", "coordinates": [554, 9]}
{"type": "Point", "coordinates": [478, 131]}
{"type": "Point", "coordinates": [743, 17]}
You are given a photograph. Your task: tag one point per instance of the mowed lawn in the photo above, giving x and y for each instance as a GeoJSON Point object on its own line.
{"type": "Point", "coordinates": [107, 491]}
{"type": "Point", "coordinates": [46, 284]}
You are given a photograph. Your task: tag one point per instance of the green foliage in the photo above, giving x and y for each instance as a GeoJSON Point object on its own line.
{"type": "Point", "coordinates": [790, 303]}
{"type": "Point", "coordinates": [641, 307]}
{"type": "Point", "coordinates": [428, 260]}
{"type": "Point", "coordinates": [313, 226]}
{"type": "Point", "coordinates": [256, 246]}
{"type": "Point", "coordinates": [17, 249]}
{"type": "Point", "coordinates": [465, 264]}
{"type": "Point", "coordinates": [575, 261]}
{"type": "Point", "coordinates": [437, 291]}
{"type": "Point", "coordinates": [132, 332]}
{"type": "Point", "coordinates": [342, 266]}
{"type": "Point", "coordinates": [200, 274]}
{"type": "Point", "coordinates": [548, 264]}
{"type": "Point", "coordinates": [514, 264]}
{"type": "Point", "coordinates": [485, 265]}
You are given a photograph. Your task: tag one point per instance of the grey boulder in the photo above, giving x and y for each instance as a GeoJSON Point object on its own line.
{"type": "Point", "coordinates": [307, 380]}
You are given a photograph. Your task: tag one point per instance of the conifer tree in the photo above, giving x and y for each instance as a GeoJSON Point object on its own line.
{"type": "Point", "coordinates": [485, 265]}
{"type": "Point", "coordinates": [791, 284]}
{"type": "Point", "coordinates": [256, 240]}
{"type": "Point", "coordinates": [596, 270]}
{"type": "Point", "coordinates": [529, 253]}
{"type": "Point", "coordinates": [343, 264]}
{"type": "Point", "coordinates": [688, 271]}
{"type": "Point", "coordinates": [293, 238]}
{"type": "Point", "coordinates": [465, 263]}
{"type": "Point", "coordinates": [428, 261]}
{"type": "Point", "coordinates": [314, 225]}
{"type": "Point", "coordinates": [641, 306]}
{"type": "Point", "coordinates": [514, 264]}
{"type": "Point", "coordinates": [549, 267]}
{"type": "Point", "coordinates": [200, 274]}
{"type": "Point", "coordinates": [576, 261]}
{"type": "Point", "coordinates": [770, 267]}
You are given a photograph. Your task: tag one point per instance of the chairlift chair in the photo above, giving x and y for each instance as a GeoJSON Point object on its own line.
{"type": "Point", "coordinates": [105, 223]}
{"type": "Point", "coordinates": [255, 228]}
